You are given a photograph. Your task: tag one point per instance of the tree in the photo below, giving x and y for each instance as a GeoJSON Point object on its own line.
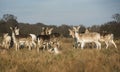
{"type": "Point", "coordinates": [94, 28]}
{"type": "Point", "coordinates": [63, 29]}
{"type": "Point", "coordinates": [111, 27]}
{"type": "Point", "coordinates": [7, 21]}
{"type": "Point", "coordinates": [116, 17]}
{"type": "Point", "coordinates": [7, 17]}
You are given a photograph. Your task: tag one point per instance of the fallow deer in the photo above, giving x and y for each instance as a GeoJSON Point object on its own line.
{"type": "Point", "coordinates": [108, 38]}
{"type": "Point", "coordinates": [87, 38]}
{"type": "Point", "coordinates": [18, 39]}
{"type": "Point", "coordinates": [6, 40]}
{"type": "Point", "coordinates": [72, 33]}
{"type": "Point", "coordinates": [46, 40]}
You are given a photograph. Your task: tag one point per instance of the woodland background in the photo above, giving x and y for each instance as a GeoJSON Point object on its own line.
{"type": "Point", "coordinates": [9, 20]}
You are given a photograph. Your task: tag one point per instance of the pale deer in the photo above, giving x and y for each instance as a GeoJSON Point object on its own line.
{"type": "Point", "coordinates": [55, 49]}
{"type": "Point", "coordinates": [72, 33]}
{"type": "Point", "coordinates": [34, 39]}
{"type": "Point", "coordinates": [87, 38]}
{"type": "Point", "coordinates": [108, 38]}
{"type": "Point", "coordinates": [6, 40]}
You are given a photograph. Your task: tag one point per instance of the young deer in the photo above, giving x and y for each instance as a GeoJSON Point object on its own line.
{"type": "Point", "coordinates": [87, 38]}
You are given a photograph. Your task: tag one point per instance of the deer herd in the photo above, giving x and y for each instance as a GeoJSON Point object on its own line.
{"type": "Point", "coordinates": [49, 41]}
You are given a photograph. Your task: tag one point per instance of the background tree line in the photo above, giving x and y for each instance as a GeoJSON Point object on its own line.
{"type": "Point", "coordinates": [9, 20]}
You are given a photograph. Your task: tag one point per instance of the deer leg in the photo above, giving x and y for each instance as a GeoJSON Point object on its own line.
{"type": "Point", "coordinates": [34, 44]}
{"type": "Point", "coordinates": [98, 44]}
{"type": "Point", "coordinates": [82, 45]}
{"type": "Point", "coordinates": [114, 43]}
{"type": "Point", "coordinates": [107, 44]}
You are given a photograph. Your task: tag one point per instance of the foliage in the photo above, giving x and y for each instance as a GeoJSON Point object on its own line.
{"type": "Point", "coordinates": [8, 17]}
{"type": "Point", "coordinates": [111, 27]}
{"type": "Point", "coordinates": [116, 17]}
{"type": "Point", "coordinates": [26, 28]}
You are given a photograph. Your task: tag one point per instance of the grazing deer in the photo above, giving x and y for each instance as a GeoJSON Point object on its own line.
{"type": "Point", "coordinates": [87, 38]}
{"type": "Point", "coordinates": [6, 40]}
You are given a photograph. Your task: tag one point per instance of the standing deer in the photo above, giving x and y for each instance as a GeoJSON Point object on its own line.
{"type": "Point", "coordinates": [18, 39]}
{"type": "Point", "coordinates": [45, 40]}
{"type": "Point", "coordinates": [72, 33]}
{"type": "Point", "coordinates": [108, 38]}
{"type": "Point", "coordinates": [87, 38]}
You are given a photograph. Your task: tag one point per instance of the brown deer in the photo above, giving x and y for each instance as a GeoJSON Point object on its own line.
{"type": "Point", "coordinates": [20, 39]}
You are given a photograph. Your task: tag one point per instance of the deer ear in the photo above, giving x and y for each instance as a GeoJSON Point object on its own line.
{"type": "Point", "coordinates": [78, 27]}
{"type": "Point", "coordinates": [16, 27]}
{"type": "Point", "coordinates": [5, 33]}
{"type": "Point", "coordinates": [50, 29]}
{"type": "Point", "coordinates": [74, 28]}
{"type": "Point", "coordinates": [11, 28]}
{"type": "Point", "coordinates": [70, 30]}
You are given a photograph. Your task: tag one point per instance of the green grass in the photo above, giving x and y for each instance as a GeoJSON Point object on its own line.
{"type": "Point", "coordinates": [71, 60]}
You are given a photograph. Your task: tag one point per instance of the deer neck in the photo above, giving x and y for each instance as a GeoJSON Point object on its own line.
{"type": "Point", "coordinates": [76, 34]}
{"type": "Point", "coordinates": [13, 36]}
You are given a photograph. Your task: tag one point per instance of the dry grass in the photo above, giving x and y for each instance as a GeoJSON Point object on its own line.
{"type": "Point", "coordinates": [71, 60]}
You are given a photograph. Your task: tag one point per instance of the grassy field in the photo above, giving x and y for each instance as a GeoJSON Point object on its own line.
{"type": "Point", "coordinates": [71, 60]}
